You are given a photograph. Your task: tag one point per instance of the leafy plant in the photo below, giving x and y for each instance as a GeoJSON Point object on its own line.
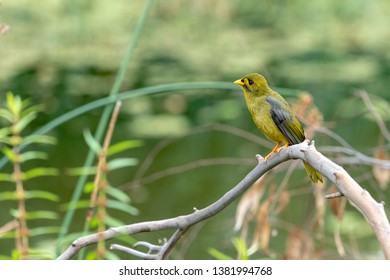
{"type": "Point", "coordinates": [103, 196]}
{"type": "Point", "coordinates": [239, 245]}
{"type": "Point", "coordinates": [18, 114]}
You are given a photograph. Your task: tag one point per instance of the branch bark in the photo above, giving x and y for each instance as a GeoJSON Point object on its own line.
{"type": "Point", "coordinates": [372, 210]}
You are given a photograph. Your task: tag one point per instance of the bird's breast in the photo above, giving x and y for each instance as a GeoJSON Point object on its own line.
{"type": "Point", "coordinates": [261, 115]}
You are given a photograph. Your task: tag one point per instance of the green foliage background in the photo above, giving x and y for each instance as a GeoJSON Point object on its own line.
{"type": "Point", "coordinates": [64, 54]}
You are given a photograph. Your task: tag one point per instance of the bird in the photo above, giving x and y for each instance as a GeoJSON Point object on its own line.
{"type": "Point", "coordinates": [273, 117]}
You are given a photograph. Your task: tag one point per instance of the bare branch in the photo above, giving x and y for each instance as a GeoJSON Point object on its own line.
{"type": "Point", "coordinates": [155, 252]}
{"type": "Point", "coordinates": [378, 118]}
{"type": "Point", "coordinates": [372, 210]}
{"type": "Point", "coordinates": [334, 195]}
{"type": "Point", "coordinates": [347, 149]}
{"type": "Point", "coordinates": [130, 251]}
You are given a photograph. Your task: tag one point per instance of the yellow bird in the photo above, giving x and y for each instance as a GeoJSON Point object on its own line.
{"type": "Point", "coordinates": [273, 116]}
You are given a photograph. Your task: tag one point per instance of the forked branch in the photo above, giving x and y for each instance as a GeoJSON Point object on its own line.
{"type": "Point", "coordinates": [347, 186]}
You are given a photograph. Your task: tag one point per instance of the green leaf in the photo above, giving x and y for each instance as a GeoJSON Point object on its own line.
{"type": "Point", "coordinates": [8, 196]}
{"type": "Point", "coordinates": [28, 110]}
{"type": "Point", "coordinates": [42, 139]}
{"type": "Point", "coordinates": [89, 187]}
{"type": "Point", "coordinates": [43, 230]}
{"type": "Point", "coordinates": [42, 195]}
{"type": "Point", "coordinates": [40, 171]}
{"type": "Point", "coordinates": [112, 222]}
{"type": "Point", "coordinates": [14, 213]}
{"type": "Point", "coordinates": [218, 254]}
{"type": "Point", "coordinates": [33, 155]}
{"type": "Point", "coordinates": [91, 255]}
{"type": "Point", "coordinates": [6, 114]}
{"type": "Point", "coordinates": [8, 234]}
{"type": "Point", "coordinates": [118, 194]}
{"type": "Point", "coordinates": [81, 204]}
{"type": "Point", "coordinates": [94, 223]}
{"type": "Point", "coordinates": [5, 177]}
{"type": "Point", "coordinates": [9, 153]}
{"type": "Point", "coordinates": [92, 143]}
{"type": "Point", "coordinates": [42, 215]}
{"type": "Point", "coordinates": [110, 255]}
{"type": "Point", "coordinates": [15, 255]}
{"type": "Point", "coordinates": [122, 162]}
{"type": "Point", "coordinates": [14, 104]}
{"type": "Point", "coordinates": [77, 171]}
{"type": "Point", "coordinates": [40, 254]}
{"type": "Point", "coordinates": [4, 132]}
{"type": "Point", "coordinates": [6, 140]}
{"type": "Point", "coordinates": [25, 121]}
{"type": "Point", "coordinates": [122, 207]}
{"type": "Point", "coordinates": [123, 145]}
{"type": "Point", "coordinates": [24, 104]}
{"type": "Point", "coordinates": [240, 245]}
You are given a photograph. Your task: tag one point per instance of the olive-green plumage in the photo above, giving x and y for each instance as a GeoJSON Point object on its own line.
{"type": "Point", "coordinates": [273, 116]}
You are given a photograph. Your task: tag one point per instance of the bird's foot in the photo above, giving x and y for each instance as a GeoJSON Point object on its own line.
{"type": "Point", "coordinates": [272, 152]}
{"type": "Point", "coordinates": [281, 148]}
{"type": "Point", "coordinates": [275, 150]}
{"type": "Point", "coordinates": [268, 156]}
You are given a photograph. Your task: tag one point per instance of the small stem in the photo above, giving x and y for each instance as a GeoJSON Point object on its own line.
{"type": "Point", "coordinates": [98, 196]}
{"type": "Point", "coordinates": [22, 229]}
{"type": "Point", "coordinates": [334, 195]}
{"type": "Point", "coordinates": [102, 164]}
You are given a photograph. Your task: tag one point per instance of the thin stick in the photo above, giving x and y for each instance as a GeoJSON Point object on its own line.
{"type": "Point", "coordinates": [370, 106]}
{"type": "Point", "coordinates": [102, 168]}
{"type": "Point", "coordinates": [334, 195]}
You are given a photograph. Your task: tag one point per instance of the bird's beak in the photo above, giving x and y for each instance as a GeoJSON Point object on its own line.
{"type": "Point", "coordinates": [239, 83]}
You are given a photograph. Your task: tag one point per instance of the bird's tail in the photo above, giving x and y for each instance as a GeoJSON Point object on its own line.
{"type": "Point", "coordinates": [314, 175]}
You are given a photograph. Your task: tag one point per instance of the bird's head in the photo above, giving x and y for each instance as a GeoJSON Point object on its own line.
{"type": "Point", "coordinates": [254, 84]}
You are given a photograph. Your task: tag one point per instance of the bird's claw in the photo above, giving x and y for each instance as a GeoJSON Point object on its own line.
{"type": "Point", "coordinates": [281, 148]}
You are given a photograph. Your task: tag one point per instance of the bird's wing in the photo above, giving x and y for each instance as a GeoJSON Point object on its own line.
{"type": "Point", "coordinates": [287, 123]}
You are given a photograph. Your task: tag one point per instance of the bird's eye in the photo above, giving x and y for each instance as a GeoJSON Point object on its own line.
{"type": "Point", "coordinates": [250, 82]}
